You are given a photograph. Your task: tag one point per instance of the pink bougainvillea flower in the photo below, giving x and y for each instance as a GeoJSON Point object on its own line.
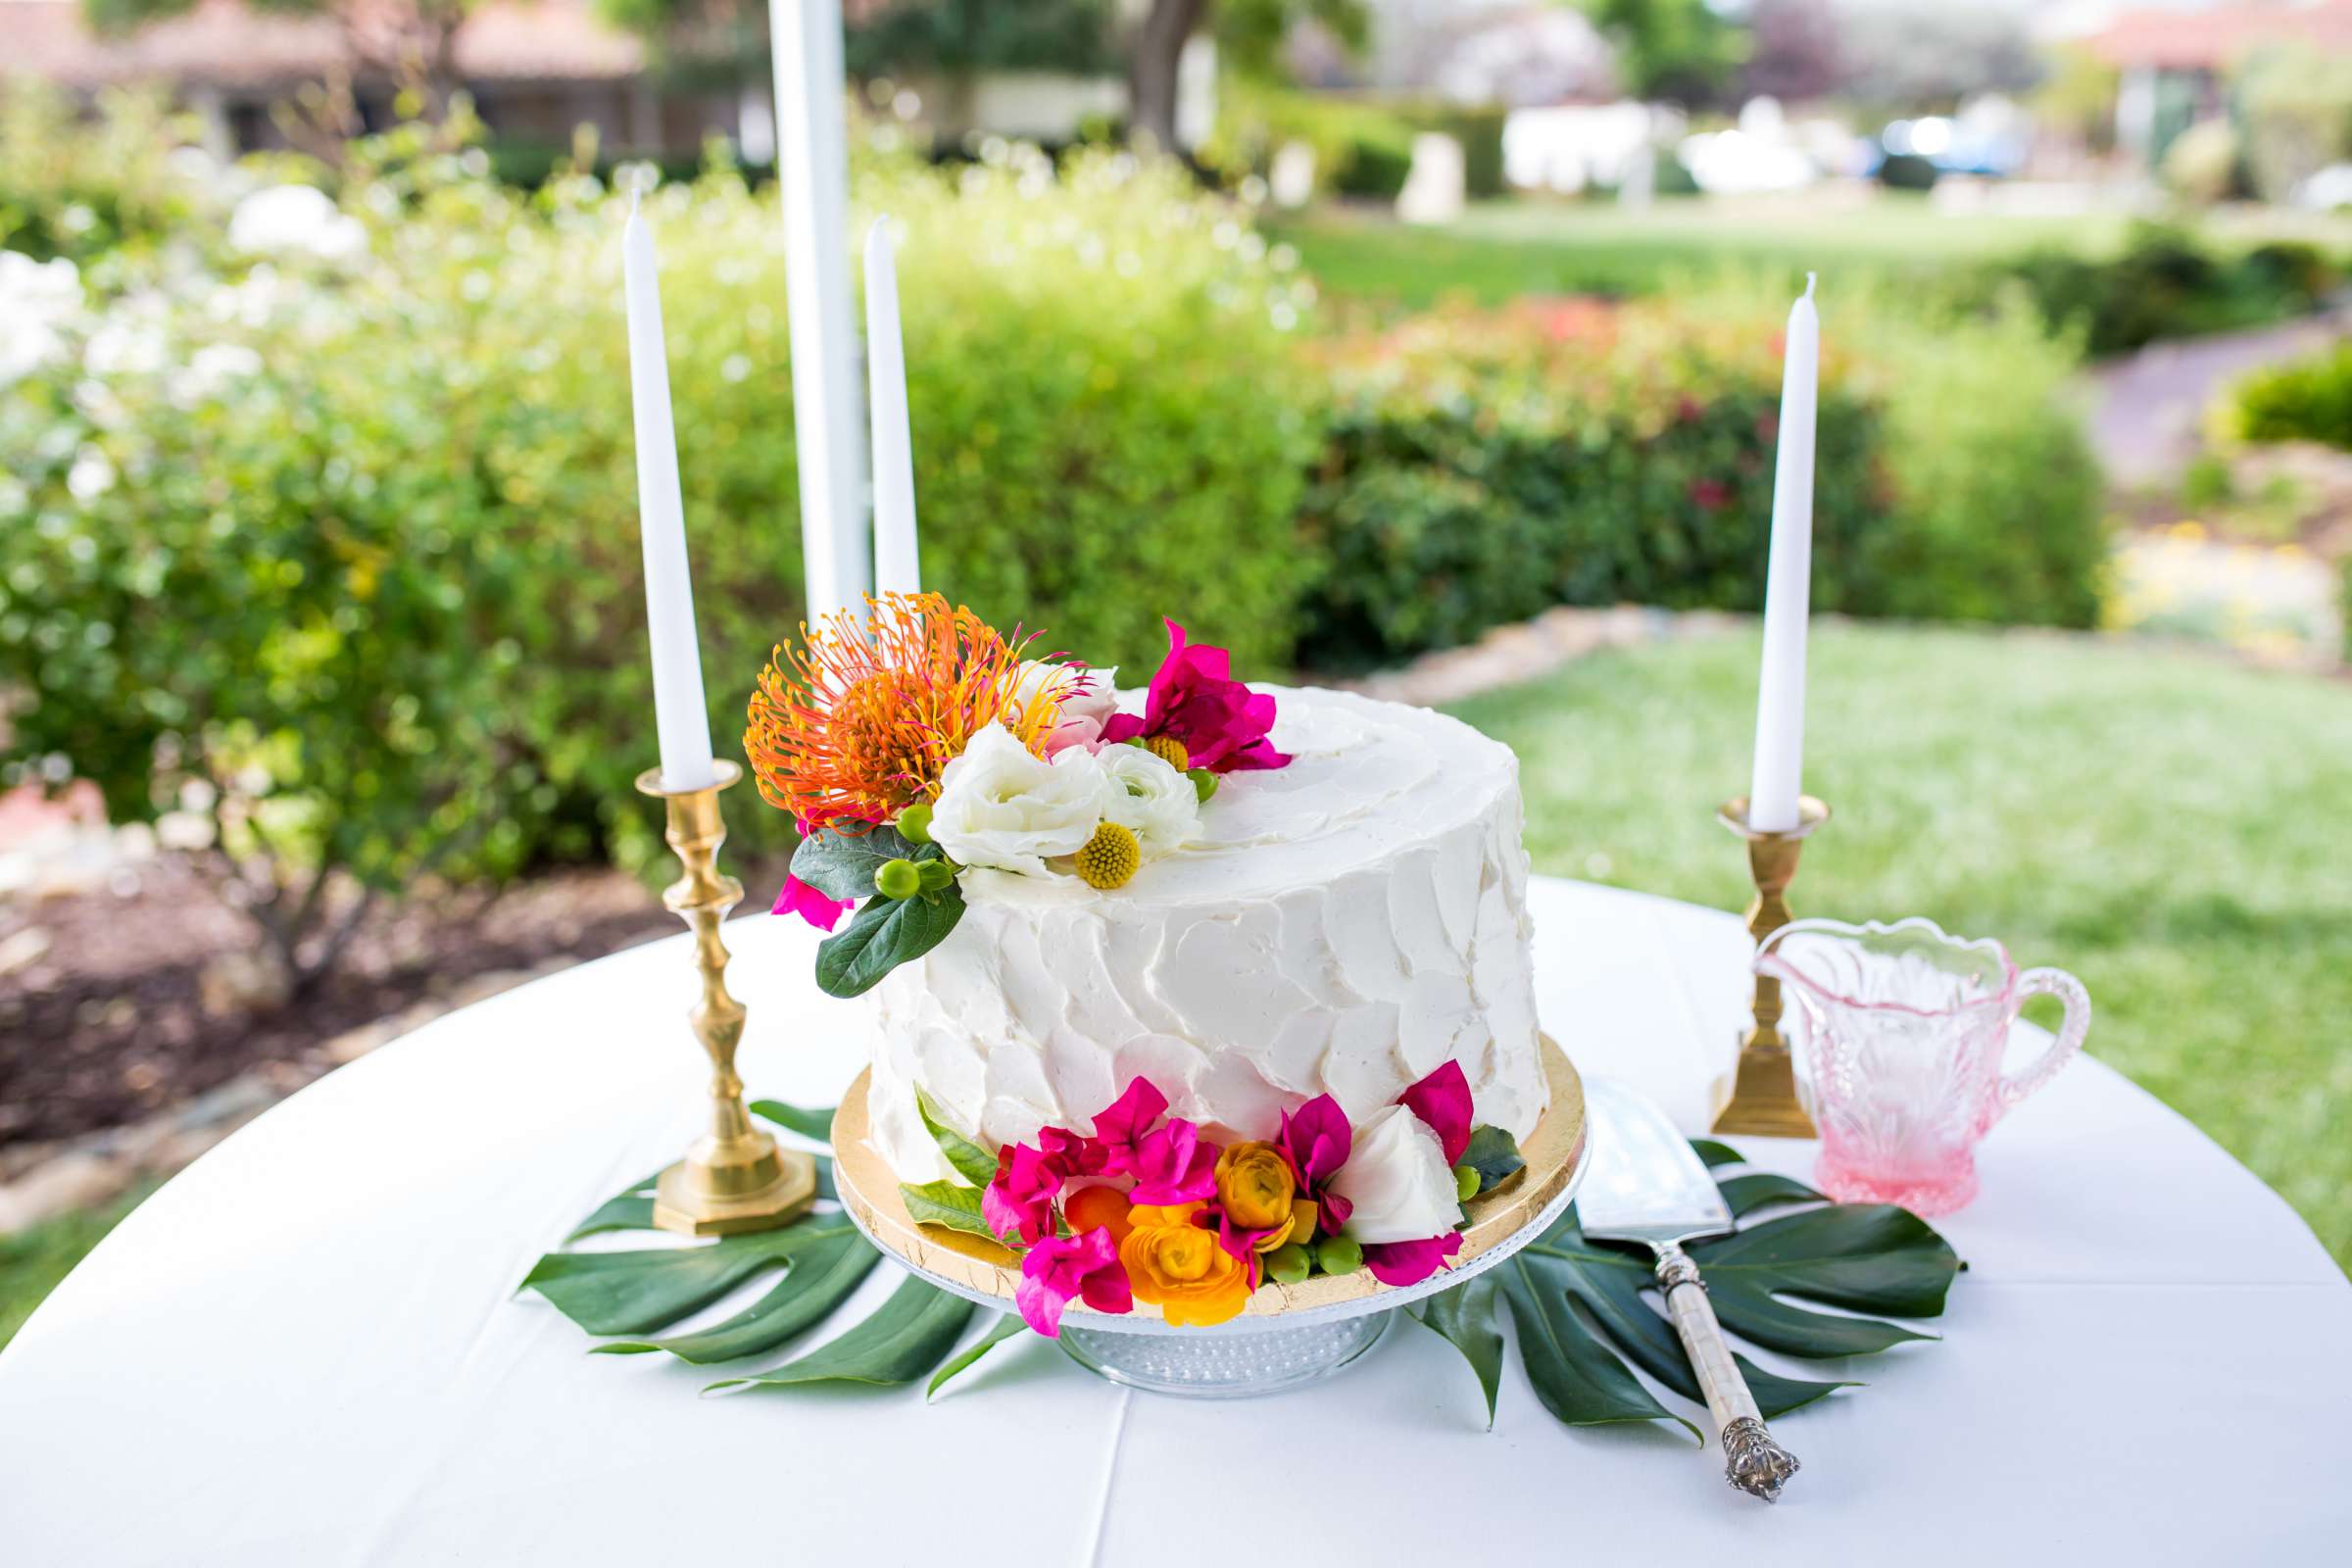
{"type": "Point", "coordinates": [1058, 1268]}
{"type": "Point", "coordinates": [1443, 1101]}
{"type": "Point", "coordinates": [1120, 1125]}
{"type": "Point", "coordinates": [1315, 1138]}
{"type": "Point", "coordinates": [1239, 1244]}
{"type": "Point", "coordinates": [799, 898]}
{"type": "Point", "coordinates": [1410, 1263]}
{"type": "Point", "coordinates": [1194, 698]}
{"type": "Point", "coordinates": [1076, 1153]}
{"type": "Point", "coordinates": [1174, 1165]}
{"type": "Point", "coordinates": [1021, 1197]}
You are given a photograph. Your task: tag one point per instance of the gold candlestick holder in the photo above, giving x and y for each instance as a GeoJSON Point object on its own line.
{"type": "Point", "coordinates": [733, 1178]}
{"type": "Point", "coordinates": [1763, 1096]}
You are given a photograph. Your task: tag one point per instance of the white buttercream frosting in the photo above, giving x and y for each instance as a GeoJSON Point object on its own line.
{"type": "Point", "coordinates": [1344, 924]}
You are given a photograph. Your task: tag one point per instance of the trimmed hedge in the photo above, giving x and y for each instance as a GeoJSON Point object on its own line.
{"type": "Point", "coordinates": [1485, 466]}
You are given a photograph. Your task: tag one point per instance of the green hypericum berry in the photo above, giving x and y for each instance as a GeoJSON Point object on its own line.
{"type": "Point", "coordinates": [1204, 783]}
{"type": "Point", "coordinates": [897, 879]}
{"type": "Point", "coordinates": [936, 874]}
{"type": "Point", "coordinates": [1288, 1263]}
{"type": "Point", "coordinates": [1339, 1256]}
{"type": "Point", "coordinates": [1466, 1182]}
{"type": "Point", "coordinates": [915, 823]}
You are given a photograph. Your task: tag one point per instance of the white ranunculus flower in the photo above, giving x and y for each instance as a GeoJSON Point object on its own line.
{"type": "Point", "coordinates": [1150, 799]}
{"type": "Point", "coordinates": [1002, 808]}
{"type": "Point", "coordinates": [1398, 1180]}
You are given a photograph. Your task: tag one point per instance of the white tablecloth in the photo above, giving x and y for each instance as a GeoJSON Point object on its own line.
{"type": "Point", "coordinates": [308, 1349]}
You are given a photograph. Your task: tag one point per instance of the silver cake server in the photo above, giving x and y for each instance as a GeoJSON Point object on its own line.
{"type": "Point", "coordinates": [1647, 1185]}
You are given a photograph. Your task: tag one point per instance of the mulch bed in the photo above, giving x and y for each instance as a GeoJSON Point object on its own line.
{"type": "Point", "coordinates": [111, 1023]}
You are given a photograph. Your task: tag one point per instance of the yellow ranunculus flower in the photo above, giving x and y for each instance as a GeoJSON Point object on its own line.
{"type": "Point", "coordinates": [1254, 1185]}
{"type": "Point", "coordinates": [1174, 1265]}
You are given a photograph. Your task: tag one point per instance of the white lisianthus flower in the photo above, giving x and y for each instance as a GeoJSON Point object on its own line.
{"type": "Point", "coordinates": [1398, 1180]}
{"type": "Point", "coordinates": [1150, 799]}
{"type": "Point", "coordinates": [1002, 808]}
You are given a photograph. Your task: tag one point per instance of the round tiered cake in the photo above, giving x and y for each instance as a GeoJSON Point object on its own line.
{"type": "Point", "coordinates": [1343, 925]}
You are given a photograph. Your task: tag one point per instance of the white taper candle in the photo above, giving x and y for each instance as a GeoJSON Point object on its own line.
{"type": "Point", "coordinates": [897, 566]}
{"type": "Point", "coordinates": [1781, 694]}
{"type": "Point", "coordinates": [681, 718]}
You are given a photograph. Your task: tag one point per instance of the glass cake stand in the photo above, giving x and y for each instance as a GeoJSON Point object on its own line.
{"type": "Point", "coordinates": [1290, 1335]}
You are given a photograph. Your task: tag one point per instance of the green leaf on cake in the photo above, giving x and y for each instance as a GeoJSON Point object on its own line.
{"type": "Point", "coordinates": [970, 1161]}
{"type": "Point", "coordinates": [1465, 1317]}
{"type": "Point", "coordinates": [883, 934]}
{"type": "Point", "coordinates": [948, 1203]}
{"type": "Point", "coordinates": [906, 1337]}
{"type": "Point", "coordinates": [816, 1124]}
{"type": "Point", "coordinates": [842, 865]}
{"type": "Point", "coordinates": [1005, 1327]}
{"type": "Point", "coordinates": [818, 1278]}
{"type": "Point", "coordinates": [1495, 1154]}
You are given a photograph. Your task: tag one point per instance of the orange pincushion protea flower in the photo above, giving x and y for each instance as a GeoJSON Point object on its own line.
{"type": "Point", "coordinates": [853, 725]}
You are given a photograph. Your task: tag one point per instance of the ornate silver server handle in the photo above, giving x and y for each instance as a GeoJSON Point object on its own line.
{"type": "Point", "coordinates": [1751, 1460]}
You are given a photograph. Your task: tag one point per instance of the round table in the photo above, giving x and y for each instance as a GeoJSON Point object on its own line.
{"type": "Point", "coordinates": [308, 1350]}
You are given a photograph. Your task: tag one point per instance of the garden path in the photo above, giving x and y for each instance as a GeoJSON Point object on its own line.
{"type": "Point", "coordinates": [2151, 405]}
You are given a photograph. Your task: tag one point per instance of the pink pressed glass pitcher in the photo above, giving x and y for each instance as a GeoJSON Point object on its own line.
{"type": "Point", "coordinates": [1905, 1029]}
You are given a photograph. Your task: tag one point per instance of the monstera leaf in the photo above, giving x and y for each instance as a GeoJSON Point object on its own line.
{"type": "Point", "coordinates": [635, 1293]}
{"type": "Point", "coordinates": [1581, 1317]}
{"type": "Point", "coordinates": [1578, 1306]}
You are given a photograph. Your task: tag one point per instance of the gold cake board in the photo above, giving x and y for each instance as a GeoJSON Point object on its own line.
{"type": "Point", "coordinates": [1555, 1154]}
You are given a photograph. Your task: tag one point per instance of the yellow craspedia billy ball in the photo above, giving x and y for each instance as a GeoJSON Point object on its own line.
{"type": "Point", "coordinates": [1109, 858]}
{"type": "Point", "coordinates": [1170, 750]}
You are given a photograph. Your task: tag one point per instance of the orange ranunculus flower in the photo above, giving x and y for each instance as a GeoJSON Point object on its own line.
{"type": "Point", "coordinates": [1179, 1267]}
{"type": "Point", "coordinates": [1254, 1185]}
{"type": "Point", "coordinates": [1098, 1207]}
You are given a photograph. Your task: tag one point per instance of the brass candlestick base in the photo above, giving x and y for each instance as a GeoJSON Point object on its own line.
{"type": "Point", "coordinates": [1764, 1091]}
{"type": "Point", "coordinates": [734, 1178]}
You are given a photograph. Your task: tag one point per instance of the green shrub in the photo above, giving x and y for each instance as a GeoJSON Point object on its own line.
{"type": "Point", "coordinates": [1361, 149]}
{"type": "Point", "coordinates": [1482, 467]}
{"type": "Point", "coordinates": [381, 590]}
{"type": "Point", "coordinates": [2167, 283]}
{"type": "Point", "coordinates": [82, 188]}
{"type": "Point", "coordinates": [2309, 400]}
{"type": "Point", "coordinates": [1480, 131]}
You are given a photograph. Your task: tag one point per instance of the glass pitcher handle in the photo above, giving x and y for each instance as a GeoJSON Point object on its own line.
{"type": "Point", "coordinates": [2013, 1087]}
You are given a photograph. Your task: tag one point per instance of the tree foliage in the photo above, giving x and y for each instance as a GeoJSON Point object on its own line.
{"type": "Point", "coordinates": [1679, 51]}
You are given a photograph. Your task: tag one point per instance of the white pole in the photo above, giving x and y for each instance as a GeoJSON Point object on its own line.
{"type": "Point", "coordinates": [828, 426]}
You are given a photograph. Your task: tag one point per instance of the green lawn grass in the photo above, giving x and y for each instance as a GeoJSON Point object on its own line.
{"type": "Point", "coordinates": [32, 1261]}
{"type": "Point", "coordinates": [1498, 251]}
{"type": "Point", "coordinates": [2171, 828]}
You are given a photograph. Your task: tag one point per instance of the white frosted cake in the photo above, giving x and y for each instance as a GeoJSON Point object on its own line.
{"type": "Point", "coordinates": [1345, 924]}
